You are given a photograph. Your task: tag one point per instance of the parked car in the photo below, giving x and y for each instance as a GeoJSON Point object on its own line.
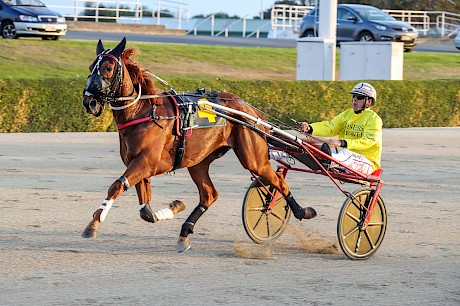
{"type": "Point", "coordinates": [357, 22]}
{"type": "Point", "coordinates": [457, 40]}
{"type": "Point", "coordinates": [20, 18]}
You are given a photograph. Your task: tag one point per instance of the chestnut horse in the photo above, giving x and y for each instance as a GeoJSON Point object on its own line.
{"type": "Point", "coordinates": [148, 144]}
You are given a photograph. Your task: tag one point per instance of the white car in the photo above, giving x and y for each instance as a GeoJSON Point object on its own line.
{"type": "Point", "coordinates": [457, 40]}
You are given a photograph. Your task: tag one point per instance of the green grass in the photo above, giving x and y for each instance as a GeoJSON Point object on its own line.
{"type": "Point", "coordinates": [34, 59]}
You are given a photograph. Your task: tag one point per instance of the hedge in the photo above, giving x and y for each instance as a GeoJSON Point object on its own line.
{"type": "Point", "coordinates": [54, 105]}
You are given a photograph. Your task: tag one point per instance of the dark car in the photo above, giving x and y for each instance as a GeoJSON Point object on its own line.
{"type": "Point", "coordinates": [20, 18]}
{"type": "Point", "coordinates": [357, 22]}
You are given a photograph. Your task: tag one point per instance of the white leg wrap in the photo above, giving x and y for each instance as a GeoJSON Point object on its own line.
{"type": "Point", "coordinates": [106, 205]}
{"type": "Point", "coordinates": [164, 214]}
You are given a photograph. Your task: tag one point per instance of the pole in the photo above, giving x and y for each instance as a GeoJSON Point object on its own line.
{"type": "Point", "coordinates": [261, 9]}
{"type": "Point", "coordinates": [158, 12]}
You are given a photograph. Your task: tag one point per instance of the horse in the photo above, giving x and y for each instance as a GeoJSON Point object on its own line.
{"type": "Point", "coordinates": [150, 145]}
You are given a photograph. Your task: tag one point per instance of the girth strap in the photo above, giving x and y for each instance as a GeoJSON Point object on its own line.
{"type": "Point", "coordinates": [181, 133]}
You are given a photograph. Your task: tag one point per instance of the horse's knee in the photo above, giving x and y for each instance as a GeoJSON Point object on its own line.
{"type": "Point", "coordinates": [208, 195]}
{"type": "Point", "coordinates": [116, 189]}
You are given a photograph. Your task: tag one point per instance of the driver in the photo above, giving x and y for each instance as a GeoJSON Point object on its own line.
{"type": "Point", "coordinates": [359, 131]}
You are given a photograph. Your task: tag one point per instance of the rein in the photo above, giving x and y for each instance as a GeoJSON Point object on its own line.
{"type": "Point", "coordinates": [127, 98]}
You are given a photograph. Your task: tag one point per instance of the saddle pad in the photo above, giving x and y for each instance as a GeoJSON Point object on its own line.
{"type": "Point", "coordinates": [205, 119]}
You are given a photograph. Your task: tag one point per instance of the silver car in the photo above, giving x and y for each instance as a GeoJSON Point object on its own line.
{"type": "Point", "coordinates": [30, 18]}
{"type": "Point", "coordinates": [357, 22]}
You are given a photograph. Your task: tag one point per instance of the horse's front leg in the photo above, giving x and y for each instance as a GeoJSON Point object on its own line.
{"type": "Point", "coordinates": [137, 170]}
{"type": "Point", "coordinates": [99, 216]}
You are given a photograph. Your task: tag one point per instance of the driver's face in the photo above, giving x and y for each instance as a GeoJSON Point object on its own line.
{"type": "Point", "coordinates": [358, 102]}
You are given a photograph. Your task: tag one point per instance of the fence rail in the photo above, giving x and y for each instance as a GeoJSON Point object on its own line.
{"type": "Point", "coordinates": [94, 10]}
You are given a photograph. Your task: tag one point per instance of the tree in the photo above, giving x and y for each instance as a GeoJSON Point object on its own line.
{"type": "Point", "coordinates": [218, 15]}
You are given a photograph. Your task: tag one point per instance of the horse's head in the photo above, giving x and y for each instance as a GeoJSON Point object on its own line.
{"type": "Point", "coordinates": [105, 81]}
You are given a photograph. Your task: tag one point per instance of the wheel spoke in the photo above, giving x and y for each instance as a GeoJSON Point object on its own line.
{"type": "Point", "coordinates": [376, 223]}
{"type": "Point", "coordinates": [268, 226]}
{"type": "Point", "coordinates": [258, 221]}
{"type": "Point", "coordinates": [369, 239]}
{"type": "Point", "coordinates": [279, 199]}
{"type": "Point", "coordinates": [350, 232]}
{"type": "Point", "coordinates": [256, 209]}
{"type": "Point", "coordinates": [353, 217]}
{"type": "Point", "coordinates": [262, 194]}
{"type": "Point", "coordinates": [278, 217]}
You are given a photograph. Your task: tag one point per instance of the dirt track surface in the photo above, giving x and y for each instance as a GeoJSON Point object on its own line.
{"type": "Point", "coordinates": [52, 183]}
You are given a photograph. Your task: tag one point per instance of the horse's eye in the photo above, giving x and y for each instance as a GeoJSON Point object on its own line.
{"type": "Point", "coordinates": [109, 69]}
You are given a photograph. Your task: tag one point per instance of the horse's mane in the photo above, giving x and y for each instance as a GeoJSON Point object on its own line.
{"type": "Point", "coordinates": [139, 75]}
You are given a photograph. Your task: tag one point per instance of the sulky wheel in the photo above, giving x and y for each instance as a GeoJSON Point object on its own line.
{"type": "Point", "coordinates": [356, 242]}
{"type": "Point", "coordinates": [260, 224]}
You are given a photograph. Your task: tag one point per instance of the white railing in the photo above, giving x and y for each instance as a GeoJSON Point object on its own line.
{"type": "Point", "coordinates": [79, 9]}
{"type": "Point", "coordinates": [180, 9]}
{"type": "Point", "coordinates": [418, 19]}
{"type": "Point", "coordinates": [195, 28]}
{"type": "Point", "coordinates": [227, 26]}
{"type": "Point", "coordinates": [447, 23]}
{"type": "Point", "coordinates": [288, 17]}
{"type": "Point", "coordinates": [225, 30]}
{"type": "Point", "coordinates": [257, 31]}
{"type": "Point", "coordinates": [424, 21]}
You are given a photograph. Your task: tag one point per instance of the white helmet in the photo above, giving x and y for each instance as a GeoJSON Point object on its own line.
{"type": "Point", "coordinates": [365, 89]}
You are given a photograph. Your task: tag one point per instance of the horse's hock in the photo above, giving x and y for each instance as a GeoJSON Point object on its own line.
{"type": "Point", "coordinates": [88, 26]}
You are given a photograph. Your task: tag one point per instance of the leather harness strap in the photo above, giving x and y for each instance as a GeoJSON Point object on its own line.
{"type": "Point", "coordinates": [182, 130]}
{"type": "Point", "coordinates": [180, 152]}
{"type": "Point", "coordinates": [134, 122]}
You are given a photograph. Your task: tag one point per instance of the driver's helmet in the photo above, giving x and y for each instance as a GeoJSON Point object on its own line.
{"type": "Point", "coordinates": [365, 89]}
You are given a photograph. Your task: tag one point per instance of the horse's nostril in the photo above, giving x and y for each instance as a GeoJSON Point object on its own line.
{"type": "Point", "coordinates": [92, 104]}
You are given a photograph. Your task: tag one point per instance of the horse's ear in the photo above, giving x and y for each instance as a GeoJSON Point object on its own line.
{"type": "Point", "coordinates": [99, 48]}
{"type": "Point", "coordinates": [120, 48]}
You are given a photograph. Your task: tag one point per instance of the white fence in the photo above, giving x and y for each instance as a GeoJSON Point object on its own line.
{"type": "Point", "coordinates": [424, 21]}
{"type": "Point", "coordinates": [118, 10]}
{"type": "Point", "coordinates": [94, 10]}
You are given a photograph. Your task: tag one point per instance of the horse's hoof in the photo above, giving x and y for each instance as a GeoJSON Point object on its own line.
{"type": "Point", "coordinates": [310, 213]}
{"type": "Point", "coordinates": [89, 233]}
{"type": "Point", "coordinates": [183, 244]}
{"type": "Point", "coordinates": [177, 206]}
{"type": "Point", "coordinates": [147, 214]}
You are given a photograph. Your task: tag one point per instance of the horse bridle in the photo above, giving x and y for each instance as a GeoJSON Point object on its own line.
{"type": "Point", "coordinates": [107, 94]}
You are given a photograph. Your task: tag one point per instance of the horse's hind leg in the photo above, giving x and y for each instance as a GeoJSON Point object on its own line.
{"type": "Point", "coordinates": [208, 195]}
{"type": "Point", "coordinates": [144, 194]}
{"type": "Point", "coordinates": [252, 152]}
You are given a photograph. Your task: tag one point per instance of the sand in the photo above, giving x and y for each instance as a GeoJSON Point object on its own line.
{"type": "Point", "coordinates": [52, 183]}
